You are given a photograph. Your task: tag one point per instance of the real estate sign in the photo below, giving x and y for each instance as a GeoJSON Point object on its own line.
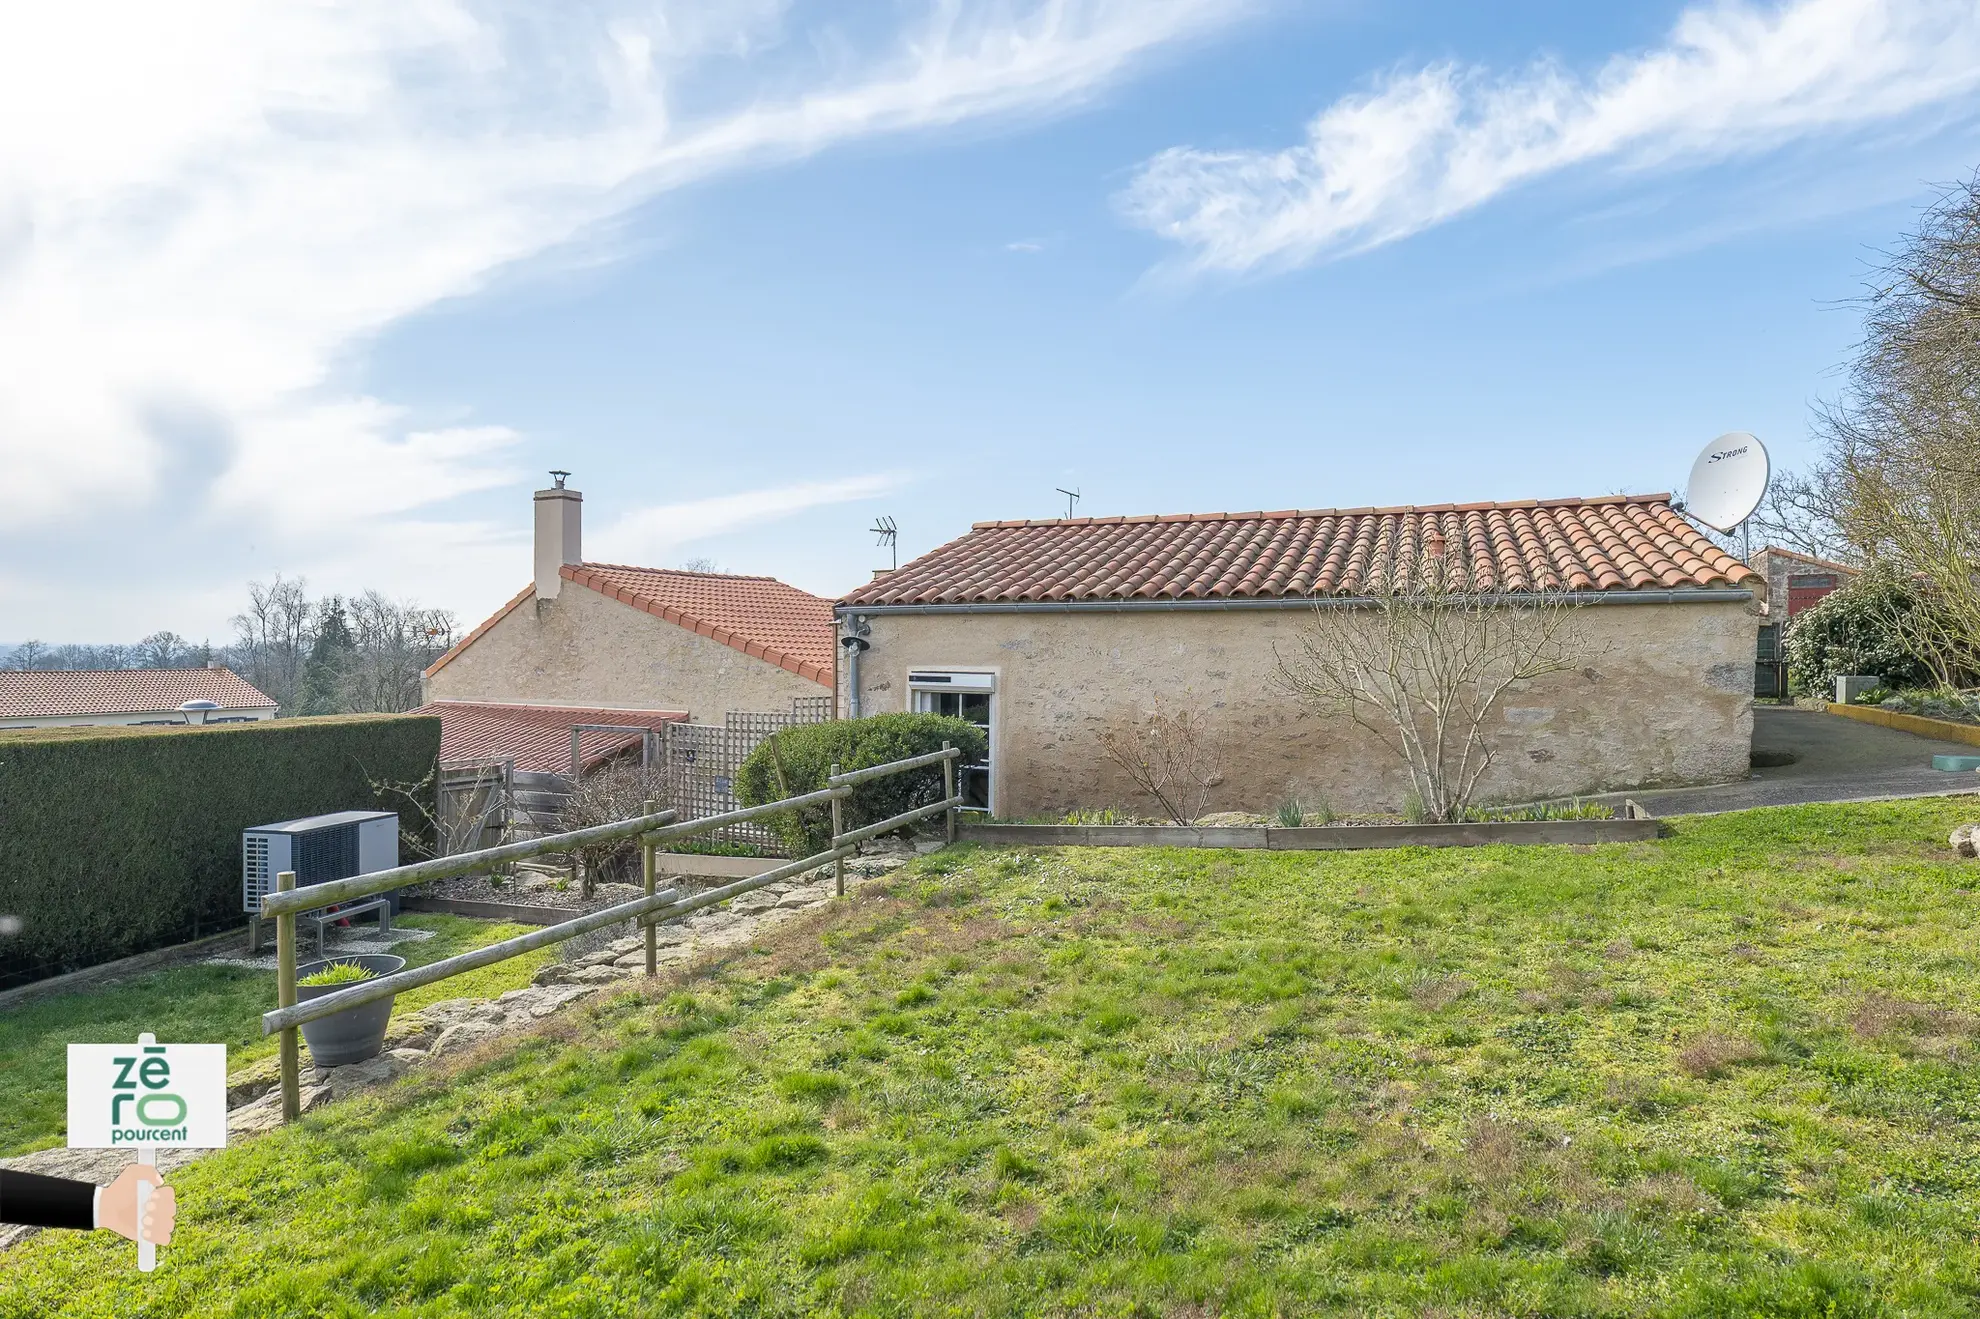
{"type": "Point", "coordinates": [146, 1094]}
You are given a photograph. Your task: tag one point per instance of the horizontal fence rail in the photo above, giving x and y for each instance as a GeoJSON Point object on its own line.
{"type": "Point", "coordinates": [653, 829]}
{"type": "Point", "coordinates": [461, 863]}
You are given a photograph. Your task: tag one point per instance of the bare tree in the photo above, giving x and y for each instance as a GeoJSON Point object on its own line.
{"type": "Point", "coordinates": [273, 637]}
{"type": "Point", "coordinates": [1904, 440]}
{"type": "Point", "coordinates": [160, 650]}
{"type": "Point", "coordinates": [28, 655]}
{"type": "Point", "coordinates": [1170, 756]}
{"type": "Point", "coordinates": [394, 641]}
{"type": "Point", "coordinates": [1424, 665]}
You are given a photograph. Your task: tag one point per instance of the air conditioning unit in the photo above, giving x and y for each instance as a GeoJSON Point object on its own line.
{"type": "Point", "coordinates": [319, 848]}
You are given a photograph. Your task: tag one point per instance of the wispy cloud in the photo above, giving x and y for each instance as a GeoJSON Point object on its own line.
{"type": "Point", "coordinates": [207, 211]}
{"type": "Point", "coordinates": [1426, 145]}
{"type": "Point", "coordinates": [647, 535]}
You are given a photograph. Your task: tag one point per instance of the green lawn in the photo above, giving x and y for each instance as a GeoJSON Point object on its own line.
{"type": "Point", "coordinates": [1727, 1073]}
{"type": "Point", "coordinates": [197, 1005]}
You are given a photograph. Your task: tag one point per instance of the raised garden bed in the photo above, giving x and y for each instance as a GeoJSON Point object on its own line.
{"type": "Point", "coordinates": [1324, 838]}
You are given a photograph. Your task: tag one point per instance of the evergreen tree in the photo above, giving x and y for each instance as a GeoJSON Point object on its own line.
{"type": "Point", "coordinates": [326, 674]}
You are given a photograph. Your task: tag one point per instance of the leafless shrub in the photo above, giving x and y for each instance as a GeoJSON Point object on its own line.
{"type": "Point", "coordinates": [1713, 1053]}
{"type": "Point", "coordinates": [1425, 664]}
{"type": "Point", "coordinates": [617, 790]}
{"type": "Point", "coordinates": [1170, 756]}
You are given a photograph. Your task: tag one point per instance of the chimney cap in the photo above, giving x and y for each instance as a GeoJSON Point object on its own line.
{"type": "Point", "coordinates": [559, 476]}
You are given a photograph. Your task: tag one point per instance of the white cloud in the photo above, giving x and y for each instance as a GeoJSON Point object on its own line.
{"type": "Point", "coordinates": [1424, 146]}
{"type": "Point", "coordinates": [207, 210]}
{"type": "Point", "coordinates": [646, 535]}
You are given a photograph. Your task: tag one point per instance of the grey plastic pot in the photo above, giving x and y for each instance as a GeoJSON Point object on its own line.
{"type": "Point", "coordinates": [355, 1034]}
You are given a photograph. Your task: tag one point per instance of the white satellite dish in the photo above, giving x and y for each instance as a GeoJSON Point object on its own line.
{"type": "Point", "coordinates": [1728, 481]}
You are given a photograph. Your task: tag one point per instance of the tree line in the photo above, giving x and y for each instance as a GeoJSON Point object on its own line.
{"type": "Point", "coordinates": [331, 654]}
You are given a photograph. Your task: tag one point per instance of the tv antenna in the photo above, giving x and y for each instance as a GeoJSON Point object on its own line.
{"type": "Point", "coordinates": [1728, 481]}
{"type": "Point", "coordinates": [890, 536]}
{"type": "Point", "coordinates": [1072, 497]}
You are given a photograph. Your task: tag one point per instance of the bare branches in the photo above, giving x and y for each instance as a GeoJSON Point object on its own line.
{"type": "Point", "coordinates": [1424, 666]}
{"type": "Point", "coordinates": [1904, 442]}
{"type": "Point", "coordinates": [1171, 757]}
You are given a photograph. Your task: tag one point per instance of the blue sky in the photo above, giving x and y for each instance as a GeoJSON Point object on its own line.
{"type": "Point", "coordinates": [759, 272]}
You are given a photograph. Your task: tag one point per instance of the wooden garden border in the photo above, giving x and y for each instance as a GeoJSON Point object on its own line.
{"type": "Point", "coordinates": [1328, 838]}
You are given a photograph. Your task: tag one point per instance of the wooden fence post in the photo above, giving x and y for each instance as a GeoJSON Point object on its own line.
{"type": "Point", "coordinates": [948, 793]}
{"type": "Point", "coordinates": [285, 997]}
{"type": "Point", "coordinates": [839, 862]}
{"type": "Point", "coordinates": [646, 868]}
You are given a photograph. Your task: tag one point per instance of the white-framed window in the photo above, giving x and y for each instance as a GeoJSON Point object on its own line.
{"type": "Point", "coordinates": [969, 694]}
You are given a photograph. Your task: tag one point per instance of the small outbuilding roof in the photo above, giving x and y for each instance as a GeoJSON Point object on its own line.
{"type": "Point", "coordinates": [759, 616]}
{"type": "Point", "coordinates": [1614, 543]}
{"type": "Point", "coordinates": [46, 693]}
{"type": "Point", "coordinates": [536, 737]}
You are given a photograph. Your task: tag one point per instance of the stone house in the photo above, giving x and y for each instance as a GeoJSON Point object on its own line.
{"type": "Point", "coordinates": [1049, 632]}
{"type": "Point", "coordinates": [612, 637]}
{"type": "Point", "coordinates": [1794, 582]}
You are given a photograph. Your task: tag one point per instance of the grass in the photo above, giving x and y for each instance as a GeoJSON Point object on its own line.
{"type": "Point", "coordinates": [1731, 1072]}
{"type": "Point", "coordinates": [198, 1004]}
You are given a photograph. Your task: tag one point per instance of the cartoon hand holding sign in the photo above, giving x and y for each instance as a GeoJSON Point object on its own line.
{"type": "Point", "coordinates": [141, 1096]}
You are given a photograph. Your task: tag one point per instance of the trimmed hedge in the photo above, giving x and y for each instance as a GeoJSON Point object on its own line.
{"type": "Point", "coordinates": [122, 840]}
{"type": "Point", "coordinates": [806, 754]}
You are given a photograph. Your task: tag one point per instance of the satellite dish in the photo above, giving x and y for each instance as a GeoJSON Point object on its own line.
{"type": "Point", "coordinates": [1728, 480]}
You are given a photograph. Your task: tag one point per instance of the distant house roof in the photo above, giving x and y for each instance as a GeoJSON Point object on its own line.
{"type": "Point", "coordinates": [45, 693]}
{"type": "Point", "coordinates": [1615, 543]}
{"type": "Point", "coordinates": [759, 616]}
{"type": "Point", "coordinates": [536, 737]}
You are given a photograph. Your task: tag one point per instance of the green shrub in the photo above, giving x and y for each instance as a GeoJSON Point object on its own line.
{"type": "Point", "coordinates": [1853, 630]}
{"type": "Point", "coordinates": [121, 840]}
{"type": "Point", "coordinates": [798, 760]}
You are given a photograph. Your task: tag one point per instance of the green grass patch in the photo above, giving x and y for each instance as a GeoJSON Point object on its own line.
{"type": "Point", "coordinates": [1731, 1072]}
{"type": "Point", "coordinates": [199, 1005]}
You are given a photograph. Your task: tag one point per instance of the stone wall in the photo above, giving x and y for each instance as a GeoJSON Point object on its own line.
{"type": "Point", "coordinates": [1665, 698]}
{"type": "Point", "coordinates": [584, 648]}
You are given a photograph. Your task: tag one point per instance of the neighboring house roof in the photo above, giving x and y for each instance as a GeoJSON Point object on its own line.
{"type": "Point", "coordinates": [1621, 542]}
{"type": "Point", "coordinates": [43, 693]}
{"type": "Point", "coordinates": [1776, 552]}
{"type": "Point", "coordinates": [536, 737]}
{"type": "Point", "coordinates": [759, 616]}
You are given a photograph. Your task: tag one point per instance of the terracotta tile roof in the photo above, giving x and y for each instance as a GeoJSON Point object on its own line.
{"type": "Point", "coordinates": [48, 692]}
{"type": "Point", "coordinates": [759, 616]}
{"type": "Point", "coordinates": [536, 737]}
{"type": "Point", "coordinates": [1617, 543]}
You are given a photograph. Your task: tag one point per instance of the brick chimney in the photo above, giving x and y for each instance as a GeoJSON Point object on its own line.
{"type": "Point", "coordinates": [559, 539]}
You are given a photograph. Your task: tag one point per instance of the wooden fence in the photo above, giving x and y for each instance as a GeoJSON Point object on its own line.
{"type": "Point", "coordinates": [653, 830]}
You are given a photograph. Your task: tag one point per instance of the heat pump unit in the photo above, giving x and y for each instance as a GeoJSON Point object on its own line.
{"type": "Point", "coordinates": [318, 849]}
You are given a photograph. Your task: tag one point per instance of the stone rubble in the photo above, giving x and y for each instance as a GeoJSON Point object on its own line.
{"type": "Point", "coordinates": [254, 1098]}
{"type": "Point", "coordinates": [1965, 840]}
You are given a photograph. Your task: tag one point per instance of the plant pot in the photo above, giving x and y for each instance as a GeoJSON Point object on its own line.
{"type": "Point", "coordinates": [355, 1034]}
